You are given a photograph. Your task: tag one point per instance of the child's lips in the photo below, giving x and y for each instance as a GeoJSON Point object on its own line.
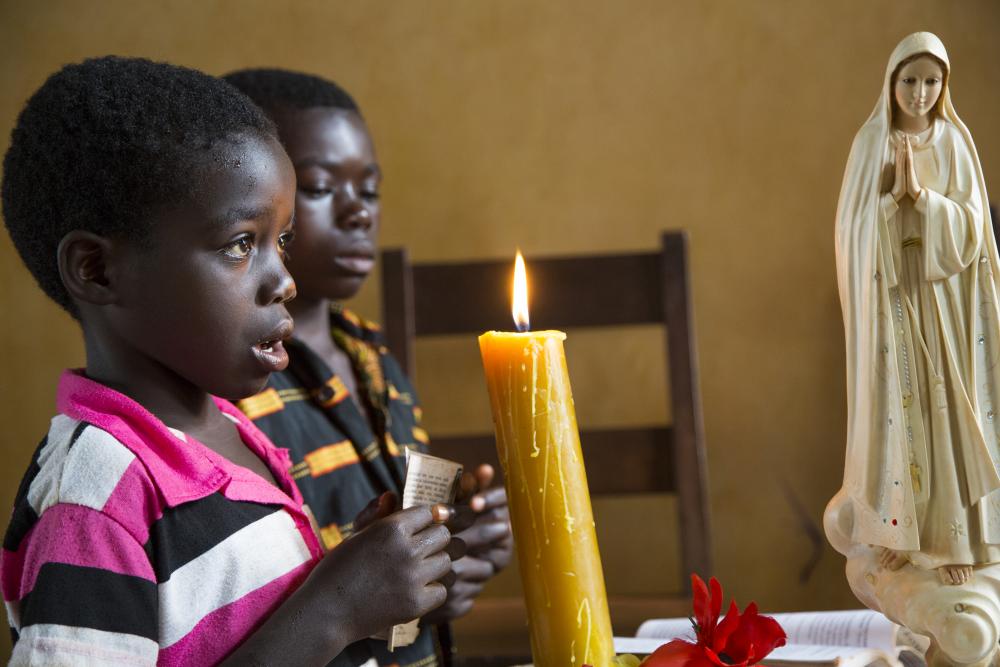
{"type": "Point", "coordinates": [271, 355]}
{"type": "Point", "coordinates": [270, 352]}
{"type": "Point", "coordinates": [358, 264]}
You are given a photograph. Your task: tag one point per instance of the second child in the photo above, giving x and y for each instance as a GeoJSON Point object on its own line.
{"type": "Point", "coordinates": [344, 407]}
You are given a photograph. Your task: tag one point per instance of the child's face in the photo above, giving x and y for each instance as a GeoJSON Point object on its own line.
{"type": "Point", "coordinates": [206, 298]}
{"type": "Point", "coordinates": [337, 202]}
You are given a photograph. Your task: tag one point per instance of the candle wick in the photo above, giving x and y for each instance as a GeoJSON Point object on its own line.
{"type": "Point", "coordinates": [522, 327]}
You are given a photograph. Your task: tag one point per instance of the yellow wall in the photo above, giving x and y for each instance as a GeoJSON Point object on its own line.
{"type": "Point", "coordinates": [568, 127]}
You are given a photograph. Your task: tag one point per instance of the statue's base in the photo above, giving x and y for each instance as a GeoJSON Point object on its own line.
{"type": "Point", "coordinates": [961, 621]}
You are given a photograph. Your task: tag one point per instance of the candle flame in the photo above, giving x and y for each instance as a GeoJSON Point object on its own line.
{"type": "Point", "coordinates": [520, 297]}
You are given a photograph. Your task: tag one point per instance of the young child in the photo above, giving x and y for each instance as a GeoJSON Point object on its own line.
{"type": "Point", "coordinates": [344, 407]}
{"type": "Point", "coordinates": [155, 523]}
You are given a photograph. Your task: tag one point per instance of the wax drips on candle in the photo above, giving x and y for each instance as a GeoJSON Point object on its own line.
{"type": "Point", "coordinates": [534, 391]}
{"type": "Point", "coordinates": [548, 457]}
{"type": "Point", "coordinates": [560, 441]}
{"type": "Point", "coordinates": [560, 570]}
{"type": "Point", "coordinates": [585, 606]}
{"type": "Point", "coordinates": [520, 462]}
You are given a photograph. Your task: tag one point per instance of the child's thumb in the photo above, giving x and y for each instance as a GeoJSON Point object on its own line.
{"type": "Point", "coordinates": [379, 508]}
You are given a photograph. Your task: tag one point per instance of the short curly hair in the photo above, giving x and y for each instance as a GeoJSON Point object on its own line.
{"type": "Point", "coordinates": [275, 89]}
{"type": "Point", "coordinates": [105, 144]}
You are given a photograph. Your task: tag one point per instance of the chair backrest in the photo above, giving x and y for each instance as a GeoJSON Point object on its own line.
{"type": "Point", "coordinates": [584, 291]}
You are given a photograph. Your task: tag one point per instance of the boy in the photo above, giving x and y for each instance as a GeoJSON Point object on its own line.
{"type": "Point", "coordinates": [344, 407]}
{"type": "Point", "coordinates": [155, 524]}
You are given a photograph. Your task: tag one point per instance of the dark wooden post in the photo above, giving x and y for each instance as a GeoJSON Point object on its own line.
{"type": "Point", "coordinates": [688, 428]}
{"type": "Point", "coordinates": [397, 307]}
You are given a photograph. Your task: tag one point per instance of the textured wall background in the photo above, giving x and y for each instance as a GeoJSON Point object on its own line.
{"type": "Point", "coordinates": [569, 127]}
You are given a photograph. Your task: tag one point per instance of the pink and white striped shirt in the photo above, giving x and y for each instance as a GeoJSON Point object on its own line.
{"type": "Point", "coordinates": [131, 543]}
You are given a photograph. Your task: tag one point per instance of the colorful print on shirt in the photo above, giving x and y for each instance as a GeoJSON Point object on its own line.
{"type": "Point", "coordinates": [340, 460]}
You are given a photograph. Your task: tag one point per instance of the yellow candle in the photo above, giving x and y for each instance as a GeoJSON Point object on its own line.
{"type": "Point", "coordinates": [539, 447]}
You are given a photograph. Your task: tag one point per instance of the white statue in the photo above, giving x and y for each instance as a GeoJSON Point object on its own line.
{"type": "Point", "coordinates": [919, 511]}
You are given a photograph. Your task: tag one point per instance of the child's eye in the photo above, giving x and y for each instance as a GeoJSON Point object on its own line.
{"type": "Point", "coordinates": [371, 194]}
{"type": "Point", "coordinates": [239, 249]}
{"type": "Point", "coordinates": [316, 192]}
{"type": "Point", "coordinates": [284, 241]}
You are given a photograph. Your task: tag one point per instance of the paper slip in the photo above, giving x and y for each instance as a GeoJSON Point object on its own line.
{"type": "Point", "coordinates": [429, 480]}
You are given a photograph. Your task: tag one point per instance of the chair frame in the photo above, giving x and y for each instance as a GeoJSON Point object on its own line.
{"type": "Point", "coordinates": [634, 288]}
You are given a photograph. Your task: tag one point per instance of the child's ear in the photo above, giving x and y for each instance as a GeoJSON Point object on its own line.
{"type": "Point", "coordinates": [86, 266]}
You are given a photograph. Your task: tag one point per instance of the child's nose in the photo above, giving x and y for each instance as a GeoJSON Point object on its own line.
{"type": "Point", "coordinates": [359, 219]}
{"type": "Point", "coordinates": [278, 286]}
{"type": "Point", "coordinates": [350, 209]}
{"type": "Point", "coordinates": [355, 216]}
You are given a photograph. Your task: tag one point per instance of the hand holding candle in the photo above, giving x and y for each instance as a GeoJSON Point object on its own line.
{"type": "Point", "coordinates": [539, 448]}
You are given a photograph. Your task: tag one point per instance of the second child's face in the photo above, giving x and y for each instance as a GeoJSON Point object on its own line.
{"type": "Point", "coordinates": [206, 298]}
{"type": "Point", "coordinates": [337, 204]}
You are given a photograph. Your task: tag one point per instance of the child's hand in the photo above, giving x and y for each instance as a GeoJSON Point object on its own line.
{"type": "Point", "coordinates": [469, 574]}
{"type": "Point", "coordinates": [377, 509]}
{"type": "Point", "coordinates": [483, 525]}
{"type": "Point", "coordinates": [389, 572]}
{"type": "Point", "coordinates": [489, 535]}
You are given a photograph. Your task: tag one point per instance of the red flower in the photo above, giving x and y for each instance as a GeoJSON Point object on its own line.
{"type": "Point", "coordinates": [738, 640]}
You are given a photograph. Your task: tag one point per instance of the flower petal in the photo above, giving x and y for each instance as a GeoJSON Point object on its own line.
{"type": "Point", "coordinates": [720, 660]}
{"type": "Point", "coordinates": [754, 637]}
{"type": "Point", "coordinates": [701, 604]}
{"type": "Point", "coordinates": [716, 587]}
{"type": "Point", "coordinates": [678, 653]}
{"type": "Point", "coordinates": [726, 627]}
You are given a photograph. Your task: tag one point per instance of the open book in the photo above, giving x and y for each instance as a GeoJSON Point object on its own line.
{"type": "Point", "coordinates": [857, 638]}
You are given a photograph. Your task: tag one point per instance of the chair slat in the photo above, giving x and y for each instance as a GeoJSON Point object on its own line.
{"type": "Point", "coordinates": [619, 461]}
{"type": "Point", "coordinates": [565, 292]}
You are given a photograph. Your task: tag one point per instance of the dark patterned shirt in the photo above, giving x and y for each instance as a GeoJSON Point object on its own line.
{"type": "Point", "coordinates": [341, 461]}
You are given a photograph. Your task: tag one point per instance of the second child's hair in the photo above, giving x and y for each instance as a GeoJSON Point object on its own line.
{"type": "Point", "coordinates": [275, 89]}
{"type": "Point", "coordinates": [106, 144]}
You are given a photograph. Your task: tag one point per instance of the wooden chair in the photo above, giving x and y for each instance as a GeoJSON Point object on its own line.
{"type": "Point", "coordinates": [584, 291]}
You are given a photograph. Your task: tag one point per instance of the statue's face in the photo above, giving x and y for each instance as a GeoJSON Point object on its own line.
{"type": "Point", "coordinates": [918, 86]}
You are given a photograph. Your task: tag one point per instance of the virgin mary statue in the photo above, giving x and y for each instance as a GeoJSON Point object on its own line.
{"type": "Point", "coordinates": [917, 270]}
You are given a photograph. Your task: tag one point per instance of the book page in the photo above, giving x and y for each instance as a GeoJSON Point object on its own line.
{"type": "Point", "coordinates": [860, 627]}
{"type": "Point", "coordinates": [789, 653]}
{"type": "Point", "coordinates": [667, 628]}
{"type": "Point", "coordinates": [818, 653]}
{"type": "Point", "coordinates": [429, 480]}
